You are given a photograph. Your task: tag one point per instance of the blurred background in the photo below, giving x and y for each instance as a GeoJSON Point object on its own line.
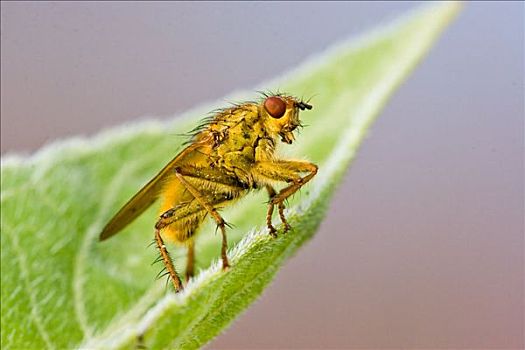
{"type": "Point", "coordinates": [424, 242]}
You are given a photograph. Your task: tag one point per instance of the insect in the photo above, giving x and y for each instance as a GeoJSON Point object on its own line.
{"type": "Point", "coordinates": [230, 154]}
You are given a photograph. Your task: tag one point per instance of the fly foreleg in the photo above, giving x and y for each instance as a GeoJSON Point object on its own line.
{"type": "Point", "coordinates": [272, 193]}
{"type": "Point", "coordinates": [287, 171]}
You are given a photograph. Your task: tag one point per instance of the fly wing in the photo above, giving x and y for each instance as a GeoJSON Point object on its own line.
{"type": "Point", "coordinates": [151, 191]}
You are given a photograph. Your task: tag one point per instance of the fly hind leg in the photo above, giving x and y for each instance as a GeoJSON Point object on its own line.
{"type": "Point", "coordinates": [221, 224]}
{"type": "Point", "coordinates": [187, 215]}
{"type": "Point", "coordinates": [190, 260]}
{"type": "Point", "coordinates": [190, 214]}
{"type": "Point", "coordinates": [223, 187]}
{"type": "Point", "coordinates": [166, 259]}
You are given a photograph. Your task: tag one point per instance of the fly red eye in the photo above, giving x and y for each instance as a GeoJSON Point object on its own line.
{"type": "Point", "coordinates": [275, 106]}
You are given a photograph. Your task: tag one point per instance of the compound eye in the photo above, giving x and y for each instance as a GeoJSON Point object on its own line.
{"type": "Point", "coordinates": [275, 106]}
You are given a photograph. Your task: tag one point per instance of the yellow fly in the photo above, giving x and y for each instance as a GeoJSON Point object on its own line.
{"type": "Point", "coordinates": [230, 154]}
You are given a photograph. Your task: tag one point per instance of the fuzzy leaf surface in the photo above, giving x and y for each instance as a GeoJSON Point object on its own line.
{"type": "Point", "coordinates": [61, 288]}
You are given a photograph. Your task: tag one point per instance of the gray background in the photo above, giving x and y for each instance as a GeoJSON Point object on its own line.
{"type": "Point", "coordinates": [423, 246]}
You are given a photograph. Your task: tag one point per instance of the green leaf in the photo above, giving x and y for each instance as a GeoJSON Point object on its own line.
{"type": "Point", "coordinates": [61, 288]}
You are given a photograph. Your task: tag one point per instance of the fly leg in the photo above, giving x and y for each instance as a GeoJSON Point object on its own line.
{"type": "Point", "coordinates": [221, 224]}
{"type": "Point", "coordinates": [296, 185]}
{"type": "Point", "coordinates": [221, 188]}
{"type": "Point", "coordinates": [272, 193]}
{"type": "Point", "coordinates": [286, 171]}
{"type": "Point", "coordinates": [186, 214]}
{"type": "Point", "coordinates": [190, 260]}
{"type": "Point", "coordinates": [166, 259]}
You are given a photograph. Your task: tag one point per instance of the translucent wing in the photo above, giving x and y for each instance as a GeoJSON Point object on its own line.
{"type": "Point", "coordinates": [151, 191]}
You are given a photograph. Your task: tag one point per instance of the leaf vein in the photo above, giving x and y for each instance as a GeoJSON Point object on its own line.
{"type": "Point", "coordinates": [33, 300]}
{"type": "Point", "coordinates": [88, 238]}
